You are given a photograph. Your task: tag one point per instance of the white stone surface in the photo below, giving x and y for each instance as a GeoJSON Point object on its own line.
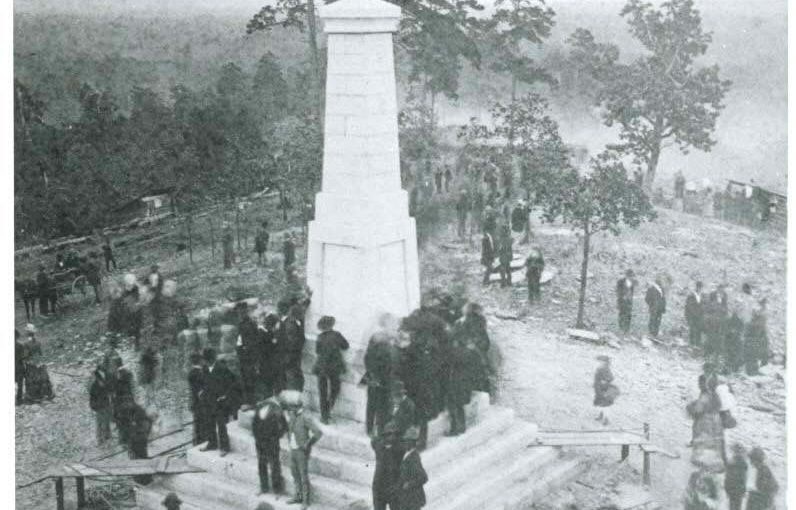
{"type": "Point", "coordinates": [362, 249]}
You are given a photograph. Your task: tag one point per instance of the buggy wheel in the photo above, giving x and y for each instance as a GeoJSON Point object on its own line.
{"type": "Point", "coordinates": [80, 284]}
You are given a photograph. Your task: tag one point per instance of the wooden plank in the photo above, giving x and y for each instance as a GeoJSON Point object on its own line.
{"type": "Point", "coordinates": [584, 334]}
{"type": "Point", "coordinates": [651, 448]}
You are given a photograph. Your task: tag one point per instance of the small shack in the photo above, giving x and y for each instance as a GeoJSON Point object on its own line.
{"type": "Point", "coordinates": [154, 204]}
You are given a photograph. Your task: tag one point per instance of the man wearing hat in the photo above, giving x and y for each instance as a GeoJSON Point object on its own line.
{"type": "Point", "coordinates": [329, 364]}
{"type": "Point", "coordinates": [268, 426]}
{"type": "Point", "coordinates": [246, 347]}
{"type": "Point", "coordinates": [172, 501]}
{"type": "Point", "coordinates": [218, 396]}
{"type": "Point", "coordinates": [625, 288]}
{"type": "Point", "coordinates": [409, 493]}
{"type": "Point", "coordinates": [303, 433]}
{"type": "Point", "coordinates": [269, 365]}
{"type": "Point", "coordinates": [389, 453]}
{"type": "Point", "coordinates": [404, 411]}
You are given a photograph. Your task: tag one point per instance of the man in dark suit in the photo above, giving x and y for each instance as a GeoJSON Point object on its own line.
{"type": "Point", "coordinates": [534, 267]}
{"type": "Point", "coordinates": [220, 385]}
{"type": "Point", "coordinates": [139, 427]}
{"type": "Point", "coordinates": [487, 255]}
{"type": "Point", "coordinates": [694, 315]}
{"type": "Point", "coordinates": [404, 411]}
{"type": "Point", "coordinates": [198, 386]}
{"type": "Point", "coordinates": [625, 288]}
{"type": "Point", "coordinates": [409, 493]}
{"type": "Point", "coordinates": [268, 363]}
{"type": "Point", "coordinates": [389, 453]}
{"type": "Point", "coordinates": [246, 347]}
{"type": "Point", "coordinates": [292, 342]}
{"type": "Point", "coordinates": [379, 359]}
{"type": "Point", "coordinates": [268, 425]}
{"type": "Point", "coordinates": [656, 301]}
{"type": "Point", "coordinates": [505, 254]}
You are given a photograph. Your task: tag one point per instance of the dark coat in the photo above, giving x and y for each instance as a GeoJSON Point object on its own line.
{"type": "Point", "coordinates": [140, 425]}
{"type": "Point", "coordinates": [421, 377]}
{"type": "Point", "coordinates": [465, 374]}
{"type": "Point", "coordinates": [735, 476]}
{"type": "Point", "coordinates": [487, 250]}
{"type": "Point", "coordinates": [100, 392]}
{"type": "Point", "coordinates": [291, 341]}
{"type": "Point", "coordinates": [605, 392]}
{"type": "Point", "coordinates": [92, 272]}
{"type": "Point", "coordinates": [766, 487]}
{"type": "Point", "coordinates": [519, 219]}
{"type": "Point", "coordinates": [694, 313]}
{"type": "Point", "coordinates": [756, 338]}
{"type": "Point", "coordinates": [411, 478]}
{"type": "Point", "coordinates": [268, 351]}
{"type": "Point", "coordinates": [380, 358]}
{"type": "Point", "coordinates": [221, 387]}
{"type": "Point", "coordinates": [249, 336]}
{"type": "Point", "coordinates": [329, 349]}
{"type": "Point", "coordinates": [261, 241]}
{"type": "Point", "coordinates": [472, 328]}
{"type": "Point", "coordinates": [404, 415]}
{"type": "Point", "coordinates": [505, 250]}
{"type": "Point", "coordinates": [272, 427]}
{"type": "Point", "coordinates": [289, 252]}
{"type": "Point", "coordinates": [534, 266]}
{"type": "Point", "coordinates": [388, 467]}
{"type": "Point", "coordinates": [624, 294]}
{"type": "Point", "coordinates": [655, 299]}
{"type": "Point", "coordinates": [197, 383]}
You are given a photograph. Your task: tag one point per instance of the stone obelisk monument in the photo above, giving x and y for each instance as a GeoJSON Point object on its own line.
{"type": "Point", "coordinates": [362, 246]}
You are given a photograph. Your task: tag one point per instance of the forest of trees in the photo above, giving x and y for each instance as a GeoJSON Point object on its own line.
{"type": "Point", "coordinates": [96, 126]}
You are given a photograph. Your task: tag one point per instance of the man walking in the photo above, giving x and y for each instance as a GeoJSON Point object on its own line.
{"type": "Point", "coordinates": [288, 252]}
{"type": "Point", "coordinates": [694, 315]}
{"type": "Point", "coordinates": [268, 426]}
{"type": "Point", "coordinates": [487, 255]}
{"type": "Point", "coordinates": [625, 288]}
{"type": "Point", "coordinates": [656, 302]}
{"type": "Point", "coordinates": [534, 267]}
{"type": "Point", "coordinates": [303, 433]}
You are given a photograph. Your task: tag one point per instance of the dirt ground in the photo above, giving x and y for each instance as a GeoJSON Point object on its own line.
{"type": "Point", "coordinates": [545, 376]}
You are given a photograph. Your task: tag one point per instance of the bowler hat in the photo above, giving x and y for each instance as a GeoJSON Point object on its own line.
{"type": "Point", "coordinates": [171, 499]}
{"type": "Point", "coordinates": [326, 323]}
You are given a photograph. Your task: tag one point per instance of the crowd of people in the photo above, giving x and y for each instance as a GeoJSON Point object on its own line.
{"type": "Point", "coordinates": [732, 333]}
{"type": "Point", "coordinates": [712, 414]}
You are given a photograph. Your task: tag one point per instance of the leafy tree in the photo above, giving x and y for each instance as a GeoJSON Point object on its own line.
{"type": "Point", "coordinates": [603, 200]}
{"type": "Point", "coordinates": [436, 35]}
{"type": "Point", "coordinates": [515, 25]}
{"type": "Point", "coordinates": [661, 98]}
{"type": "Point", "coordinates": [418, 140]}
{"type": "Point", "coordinates": [270, 89]}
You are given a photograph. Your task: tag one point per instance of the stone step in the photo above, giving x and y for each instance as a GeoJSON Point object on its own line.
{"type": "Point", "coordinates": [349, 436]}
{"type": "Point", "coordinates": [236, 485]}
{"type": "Point", "coordinates": [447, 478]}
{"type": "Point", "coordinates": [528, 491]}
{"type": "Point", "coordinates": [330, 463]}
{"type": "Point", "coordinates": [331, 457]}
{"type": "Point", "coordinates": [497, 478]}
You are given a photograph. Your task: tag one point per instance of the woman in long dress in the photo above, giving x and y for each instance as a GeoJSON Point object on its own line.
{"type": "Point", "coordinates": [707, 441]}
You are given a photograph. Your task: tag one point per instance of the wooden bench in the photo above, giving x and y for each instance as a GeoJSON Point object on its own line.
{"type": "Point", "coordinates": [622, 438]}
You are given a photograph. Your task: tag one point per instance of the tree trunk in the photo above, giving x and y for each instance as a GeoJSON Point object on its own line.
{"type": "Point", "coordinates": [190, 238]}
{"type": "Point", "coordinates": [652, 166]}
{"type": "Point", "coordinates": [584, 271]}
{"type": "Point", "coordinates": [212, 238]}
{"type": "Point", "coordinates": [283, 204]}
{"type": "Point", "coordinates": [316, 61]}
{"type": "Point", "coordinates": [237, 223]}
{"type": "Point", "coordinates": [528, 230]}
